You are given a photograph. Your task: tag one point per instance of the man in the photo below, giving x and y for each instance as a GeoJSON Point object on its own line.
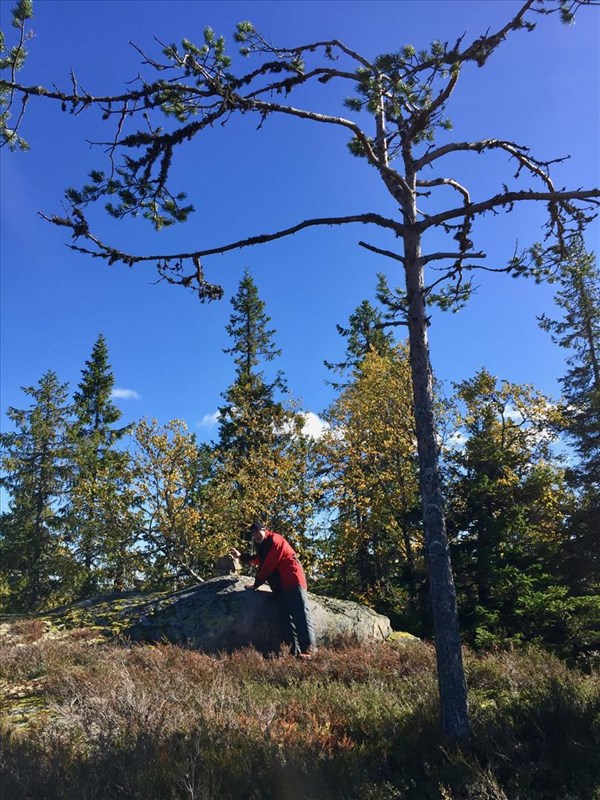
{"type": "Point", "coordinates": [279, 567]}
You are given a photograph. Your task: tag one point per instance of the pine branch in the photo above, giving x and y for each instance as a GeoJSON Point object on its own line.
{"type": "Point", "coordinates": [508, 199]}
{"type": "Point", "coordinates": [170, 266]}
{"type": "Point", "coordinates": [519, 152]}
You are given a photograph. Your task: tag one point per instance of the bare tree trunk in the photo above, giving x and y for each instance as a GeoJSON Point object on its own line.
{"type": "Point", "coordinates": [451, 677]}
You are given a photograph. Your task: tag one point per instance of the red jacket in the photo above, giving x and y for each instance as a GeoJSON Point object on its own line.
{"type": "Point", "coordinates": [277, 564]}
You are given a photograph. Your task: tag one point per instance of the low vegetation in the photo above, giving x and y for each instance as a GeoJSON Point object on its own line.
{"type": "Point", "coordinates": [86, 718]}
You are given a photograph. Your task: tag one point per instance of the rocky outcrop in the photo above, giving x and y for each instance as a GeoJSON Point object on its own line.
{"type": "Point", "coordinates": [219, 615]}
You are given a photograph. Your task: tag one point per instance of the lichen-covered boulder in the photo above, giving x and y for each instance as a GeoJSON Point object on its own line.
{"type": "Point", "coordinates": [220, 615]}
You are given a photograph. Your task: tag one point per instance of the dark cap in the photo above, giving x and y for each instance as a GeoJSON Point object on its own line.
{"type": "Point", "coordinates": [250, 531]}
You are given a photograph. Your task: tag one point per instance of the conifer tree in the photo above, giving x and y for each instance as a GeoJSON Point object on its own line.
{"type": "Point", "coordinates": [99, 516]}
{"type": "Point", "coordinates": [33, 558]}
{"type": "Point", "coordinates": [508, 504]}
{"type": "Point", "coordinates": [252, 415]}
{"type": "Point", "coordinates": [365, 332]}
{"type": "Point", "coordinates": [579, 333]}
{"type": "Point", "coordinates": [261, 466]}
{"type": "Point", "coordinates": [93, 407]}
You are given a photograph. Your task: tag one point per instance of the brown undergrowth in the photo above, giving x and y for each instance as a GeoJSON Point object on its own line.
{"type": "Point", "coordinates": [90, 720]}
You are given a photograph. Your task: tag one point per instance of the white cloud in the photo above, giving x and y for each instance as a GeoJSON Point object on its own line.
{"type": "Point", "coordinates": [209, 420]}
{"type": "Point", "coordinates": [513, 414]}
{"type": "Point", "coordinates": [314, 427]}
{"type": "Point", "coordinates": [456, 441]}
{"type": "Point", "coordinates": [124, 394]}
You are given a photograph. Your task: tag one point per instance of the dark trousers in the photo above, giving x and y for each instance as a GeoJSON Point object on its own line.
{"type": "Point", "coordinates": [297, 621]}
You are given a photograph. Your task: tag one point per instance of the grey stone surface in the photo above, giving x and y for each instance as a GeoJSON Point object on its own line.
{"type": "Point", "coordinates": [220, 615]}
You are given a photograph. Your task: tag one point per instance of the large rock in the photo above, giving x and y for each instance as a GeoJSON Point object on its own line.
{"type": "Point", "coordinates": [220, 615]}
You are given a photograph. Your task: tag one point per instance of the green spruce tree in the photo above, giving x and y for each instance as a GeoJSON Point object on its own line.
{"type": "Point", "coordinates": [507, 511]}
{"type": "Point", "coordinates": [579, 333]}
{"type": "Point", "coordinates": [252, 415]}
{"type": "Point", "coordinates": [100, 521]}
{"type": "Point", "coordinates": [365, 332]}
{"type": "Point", "coordinates": [262, 459]}
{"type": "Point", "coordinates": [34, 561]}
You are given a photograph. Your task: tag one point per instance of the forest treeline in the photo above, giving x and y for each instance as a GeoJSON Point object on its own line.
{"type": "Point", "coordinates": [97, 507]}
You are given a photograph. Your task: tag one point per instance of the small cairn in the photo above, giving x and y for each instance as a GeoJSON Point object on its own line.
{"type": "Point", "coordinates": [227, 565]}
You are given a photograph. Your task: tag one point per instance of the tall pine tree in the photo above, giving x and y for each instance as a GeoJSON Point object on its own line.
{"type": "Point", "coordinates": [33, 558]}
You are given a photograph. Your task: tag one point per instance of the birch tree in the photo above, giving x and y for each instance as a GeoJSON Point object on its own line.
{"type": "Point", "coordinates": [169, 473]}
{"type": "Point", "coordinates": [374, 551]}
{"type": "Point", "coordinates": [397, 106]}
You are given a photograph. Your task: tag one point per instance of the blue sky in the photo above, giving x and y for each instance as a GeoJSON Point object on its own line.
{"type": "Point", "coordinates": [539, 89]}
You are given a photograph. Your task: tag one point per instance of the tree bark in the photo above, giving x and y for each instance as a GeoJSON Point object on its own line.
{"type": "Point", "coordinates": [451, 677]}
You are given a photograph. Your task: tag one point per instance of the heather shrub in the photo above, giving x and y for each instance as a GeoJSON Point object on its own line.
{"type": "Point", "coordinates": [163, 722]}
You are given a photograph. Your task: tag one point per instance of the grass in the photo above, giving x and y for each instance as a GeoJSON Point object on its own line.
{"type": "Point", "coordinates": [94, 720]}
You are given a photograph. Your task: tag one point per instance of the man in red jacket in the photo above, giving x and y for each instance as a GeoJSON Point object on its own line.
{"type": "Point", "coordinates": [279, 567]}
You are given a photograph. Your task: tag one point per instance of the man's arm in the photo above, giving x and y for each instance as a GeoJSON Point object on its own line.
{"type": "Point", "coordinates": [245, 558]}
{"type": "Point", "coordinates": [273, 557]}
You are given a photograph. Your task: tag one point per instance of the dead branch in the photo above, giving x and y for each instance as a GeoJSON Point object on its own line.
{"type": "Point", "coordinates": [509, 198]}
